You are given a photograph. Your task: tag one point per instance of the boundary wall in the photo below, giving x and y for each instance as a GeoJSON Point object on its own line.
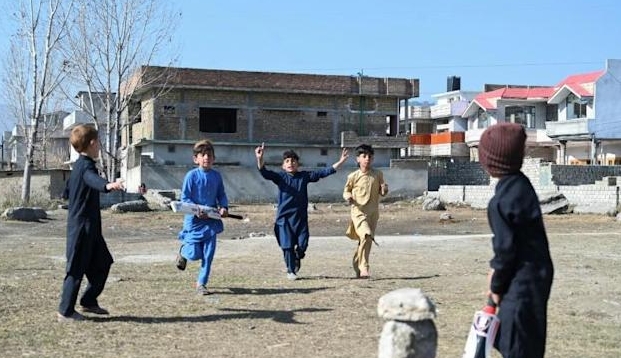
{"type": "Point", "coordinates": [601, 197]}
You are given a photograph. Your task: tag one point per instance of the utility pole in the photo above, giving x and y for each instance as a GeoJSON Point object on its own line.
{"type": "Point", "coordinates": [2, 149]}
{"type": "Point", "coordinates": [361, 114]}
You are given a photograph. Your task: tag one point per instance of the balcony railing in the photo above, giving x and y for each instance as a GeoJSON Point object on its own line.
{"type": "Point", "coordinates": [448, 109]}
{"type": "Point", "coordinates": [578, 127]}
{"type": "Point", "coordinates": [75, 118]}
{"type": "Point", "coordinates": [534, 137]}
{"type": "Point", "coordinates": [414, 112]}
{"type": "Point", "coordinates": [473, 136]}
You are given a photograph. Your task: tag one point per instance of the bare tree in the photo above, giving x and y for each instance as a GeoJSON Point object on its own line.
{"type": "Point", "coordinates": [33, 71]}
{"type": "Point", "coordinates": [112, 40]}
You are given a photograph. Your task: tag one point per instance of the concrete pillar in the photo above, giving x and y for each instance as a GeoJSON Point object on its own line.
{"type": "Point", "coordinates": [409, 331]}
{"type": "Point", "coordinates": [250, 112]}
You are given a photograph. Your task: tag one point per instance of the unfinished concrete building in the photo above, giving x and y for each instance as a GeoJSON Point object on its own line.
{"type": "Point", "coordinates": [312, 114]}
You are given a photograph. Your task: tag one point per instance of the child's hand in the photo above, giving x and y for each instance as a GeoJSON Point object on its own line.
{"type": "Point", "coordinates": [117, 185]}
{"type": "Point", "coordinates": [202, 214]}
{"type": "Point", "coordinates": [258, 151]}
{"type": "Point", "coordinates": [495, 297]}
{"type": "Point", "coordinates": [383, 189]}
{"type": "Point", "coordinates": [351, 201]}
{"type": "Point", "coordinates": [223, 212]}
{"type": "Point", "coordinates": [344, 155]}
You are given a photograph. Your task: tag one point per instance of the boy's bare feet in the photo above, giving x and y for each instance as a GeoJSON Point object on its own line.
{"type": "Point", "coordinates": [364, 274]}
{"type": "Point", "coordinates": [354, 264]}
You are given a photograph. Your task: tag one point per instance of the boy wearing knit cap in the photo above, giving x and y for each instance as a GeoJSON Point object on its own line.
{"type": "Point", "coordinates": [521, 272]}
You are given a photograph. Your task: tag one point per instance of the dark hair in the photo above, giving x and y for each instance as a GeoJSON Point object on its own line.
{"type": "Point", "coordinates": [203, 147]}
{"type": "Point", "coordinates": [290, 154]}
{"type": "Point", "coordinates": [364, 149]}
{"type": "Point", "coordinates": [81, 137]}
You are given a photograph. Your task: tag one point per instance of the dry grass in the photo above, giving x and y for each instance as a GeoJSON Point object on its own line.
{"type": "Point", "coordinates": [256, 312]}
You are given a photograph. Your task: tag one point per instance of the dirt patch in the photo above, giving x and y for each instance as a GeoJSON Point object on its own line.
{"type": "Point", "coordinates": [255, 312]}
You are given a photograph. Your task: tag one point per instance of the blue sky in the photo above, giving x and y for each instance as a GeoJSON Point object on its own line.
{"type": "Point", "coordinates": [536, 42]}
{"type": "Point", "coordinates": [532, 42]}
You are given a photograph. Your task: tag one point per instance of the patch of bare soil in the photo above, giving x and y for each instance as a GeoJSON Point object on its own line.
{"type": "Point", "coordinates": [254, 311]}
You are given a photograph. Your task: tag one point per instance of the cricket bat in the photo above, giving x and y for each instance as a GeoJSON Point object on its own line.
{"type": "Point", "coordinates": [482, 332]}
{"type": "Point", "coordinates": [196, 209]}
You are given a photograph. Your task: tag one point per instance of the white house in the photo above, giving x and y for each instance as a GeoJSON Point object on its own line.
{"type": "Point", "coordinates": [577, 121]}
{"type": "Point", "coordinates": [83, 115]}
{"type": "Point", "coordinates": [588, 127]}
{"type": "Point", "coordinates": [524, 105]}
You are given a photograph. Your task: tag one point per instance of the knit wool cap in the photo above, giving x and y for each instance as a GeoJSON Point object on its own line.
{"type": "Point", "coordinates": [501, 148]}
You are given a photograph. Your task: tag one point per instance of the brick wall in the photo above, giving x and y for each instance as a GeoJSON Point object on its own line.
{"type": "Point", "coordinates": [262, 117]}
{"type": "Point", "coordinates": [582, 174]}
{"type": "Point", "coordinates": [282, 82]}
{"type": "Point", "coordinates": [601, 196]}
{"type": "Point", "coordinates": [595, 198]}
{"type": "Point", "coordinates": [445, 172]}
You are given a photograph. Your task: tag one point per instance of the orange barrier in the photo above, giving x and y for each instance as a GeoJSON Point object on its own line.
{"type": "Point", "coordinates": [448, 137]}
{"type": "Point", "coordinates": [420, 139]}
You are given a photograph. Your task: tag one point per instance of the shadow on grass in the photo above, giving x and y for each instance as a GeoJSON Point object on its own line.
{"type": "Point", "coordinates": [406, 278]}
{"type": "Point", "coordinates": [270, 291]}
{"type": "Point", "coordinates": [276, 316]}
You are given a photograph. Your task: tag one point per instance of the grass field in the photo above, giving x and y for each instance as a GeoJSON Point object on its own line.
{"type": "Point", "coordinates": [255, 311]}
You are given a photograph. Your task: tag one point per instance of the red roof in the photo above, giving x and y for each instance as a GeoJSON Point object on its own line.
{"type": "Point", "coordinates": [581, 78]}
{"type": "Point", "coordinates": [574, 83]}
{"type": "Point", "coordinates": [486, 99]}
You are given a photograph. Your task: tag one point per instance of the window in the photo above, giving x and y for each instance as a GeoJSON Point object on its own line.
{"type": "Point", "coordinates": [576, 107]}
{"type": "Point", "coordinates": [323, 152]}
{"type": "Point", "coordinates": [169, 110]}
{"type": "Point", "coordinates": [482, 118]}
{"type": "Point", "coordinates": [217, 120]}
{"type": "Point", "coordinates": [322, 114]}
{"type": "Point", "coordinates": [134, 109]}
{"type": "Point", "coordinates": [580, 110]}
{"type": "Point", "coordinates": [552, 112]}
{"type": "Point", "coordinates": [171, 148]}
{"type": "Point", "coordinates": [524, 115]}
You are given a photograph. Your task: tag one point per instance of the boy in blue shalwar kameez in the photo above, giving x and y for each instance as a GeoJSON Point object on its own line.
{"type": "Point", "coordinates": [202, 185]}
{"type": "Point", "coordinates": [291, 225]}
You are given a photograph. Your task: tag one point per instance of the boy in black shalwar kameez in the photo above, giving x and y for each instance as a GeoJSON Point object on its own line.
{"type": "Point", "coordinates": [87, 252]}
{"type": "Point", "coordinates": [521, 270]}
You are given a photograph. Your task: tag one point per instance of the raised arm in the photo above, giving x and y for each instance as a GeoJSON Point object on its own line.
{"type": "Point", "coordinates": [258, 152]}
{"type": "Point", "coordinates": [344, 156]}
{"type": "Point", "coordinates": [383, 185]}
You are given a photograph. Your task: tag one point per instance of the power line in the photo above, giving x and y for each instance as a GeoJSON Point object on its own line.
{"type": "Point", "coordinates": [519, 64]}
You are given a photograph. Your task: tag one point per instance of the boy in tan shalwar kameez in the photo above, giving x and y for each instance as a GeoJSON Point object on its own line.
{"type": "Point", "coordinates": [362, 191]}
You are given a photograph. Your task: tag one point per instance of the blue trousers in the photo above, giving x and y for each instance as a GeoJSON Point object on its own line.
{"type": "Point", "coordinates": [204, 251]}
{"type": "Point", "coordinates": [290, 257]}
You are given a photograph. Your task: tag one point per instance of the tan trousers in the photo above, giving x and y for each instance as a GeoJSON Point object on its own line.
{"type": "Point", "coordinates": [361, 255]}
{"type": "Point", "coordinates": [363, 228]}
